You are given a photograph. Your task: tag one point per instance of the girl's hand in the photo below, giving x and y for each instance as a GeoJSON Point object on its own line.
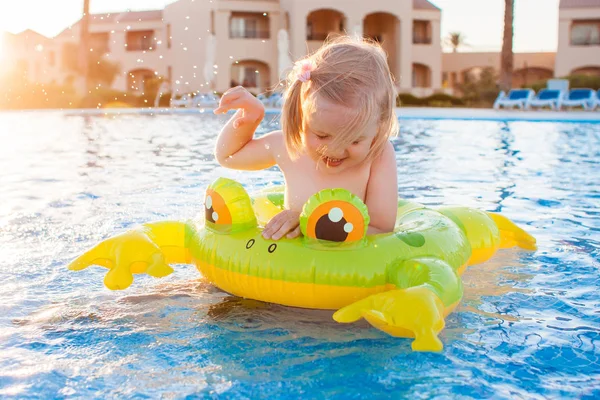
{"type": "Point", "coordinates": [239, 98]}
{"type": "Point", "coordinates": [285, 223]}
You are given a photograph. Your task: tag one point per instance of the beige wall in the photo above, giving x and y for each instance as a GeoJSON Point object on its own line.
{"type": "Point", "coordinates": [155, 60]}
{"type": "Point", "coordinates": [186, 56]}
{"type": "Point", "coordinates": [528, 67]}
{"type": "Point", "coordinates": [31, 56]}
{"type": "Point", "coordinates": [187, 24]}
{"type": "Point", "coordinates": [572, 57]}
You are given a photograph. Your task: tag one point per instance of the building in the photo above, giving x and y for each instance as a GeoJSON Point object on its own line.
{"type": "Point", "coordinates": [578, 51]}
{"type": "Point", "coordinates": [528, 67]}
{"type": "Point", "coordinates": [210, 45]}
{"type": "Point", "coordinates": [578, 38]}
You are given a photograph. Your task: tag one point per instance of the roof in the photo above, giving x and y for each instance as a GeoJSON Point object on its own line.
{"type": "Point", "coordinates": [30, 33]}
{"type": "Point", "coordinates": [127, 16]}
{"type": "Point", "coordinates": [27, 36]}
{"type": "Point", "coordinates": [149, 15]}
{"type": "Point", "coordinates": [424, 5]}
{"type": "Point", "coordinates": [579, 3]}
{"type": "Point", "coordinates": [99, 18]}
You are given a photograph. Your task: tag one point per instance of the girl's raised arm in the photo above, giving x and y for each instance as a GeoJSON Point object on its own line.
{"type": "Point", "coordinates": [236, 147]}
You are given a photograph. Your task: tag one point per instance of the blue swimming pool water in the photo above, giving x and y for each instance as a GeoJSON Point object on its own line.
{"type": "Point", "coordinates": [528, 326]}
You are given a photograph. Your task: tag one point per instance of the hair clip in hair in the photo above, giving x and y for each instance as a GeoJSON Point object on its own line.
{"type": "Point", "coordinates": [305, 68]}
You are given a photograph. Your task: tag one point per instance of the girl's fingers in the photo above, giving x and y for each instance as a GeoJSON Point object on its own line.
{"type": "Point", "coordinates": [271, 227]}
{"type": "Point", "coordinates": [274, 225]}
{"type": "Point", "coordinates": [287, 226]}
{"type": "Point", "coordinates": [227, 102]}
{"type": "Point", "coordinates": [294, 234]}
{"type": "Point", "coordinates": [238, 102]}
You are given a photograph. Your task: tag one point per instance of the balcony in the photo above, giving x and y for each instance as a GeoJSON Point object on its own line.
{"type": "Point", "coordinates": [421, 32]}
{"type": "Point", "coordinates": [421, 39]}
{"type": "Point", "coordinates": [99, 42]}
{"type": "Point", "coordinates": [140, 41]}
{"type": "Point", "coordinates": [248, 34]}
{"type": "Point", "coordinates": [585, 33]}
{"type": "Point", "coordinates": [318, 36]}
{"type": "Point", "coordinates": [245, 25]}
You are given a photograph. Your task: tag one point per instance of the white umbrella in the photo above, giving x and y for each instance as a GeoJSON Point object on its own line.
{"type": "Point", "coordinates": [285, 63]}
{"type": "Point", "coordinates": [211, 51]}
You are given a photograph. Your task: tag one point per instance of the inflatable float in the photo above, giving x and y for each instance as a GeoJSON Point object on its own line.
{"type": "Point", "coordinates": [404, 283]}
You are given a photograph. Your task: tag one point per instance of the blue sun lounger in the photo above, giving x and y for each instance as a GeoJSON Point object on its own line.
{"type": "Point", "coordinates": [547, 98]}
{"type": "Point", "coordinates": [580, 98]}
{"type": "Point", "coordinates": [516, 98]}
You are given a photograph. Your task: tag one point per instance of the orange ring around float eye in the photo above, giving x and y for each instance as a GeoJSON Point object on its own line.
{"type": "Point", "coordinates": [346, 223]}
{"type": "Point", "coordinates": [215, 208]}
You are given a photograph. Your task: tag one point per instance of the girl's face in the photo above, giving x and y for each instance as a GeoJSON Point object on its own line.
{"type": "Point", "coordinates": [322, 124]}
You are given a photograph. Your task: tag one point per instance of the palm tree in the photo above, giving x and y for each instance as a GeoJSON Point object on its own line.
{"type": "Point", "coordinates": [84, 47]}
{"type": "Point", "coordinates": [506, 58]}
{"type": "Point", "coordinates": [456, 39]}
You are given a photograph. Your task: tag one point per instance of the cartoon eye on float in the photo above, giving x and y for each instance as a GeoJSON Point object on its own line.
{"type": "Point", "coordinates": [228, 208]}
{"type": "Point", "coordinates": [215, 209]}
{"type": "Point", "coordinates": [335, 215]}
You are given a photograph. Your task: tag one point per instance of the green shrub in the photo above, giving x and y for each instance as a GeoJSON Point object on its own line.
{"type": "Point", "coordinates": [443, 98]}
{"type": "Point", "coordinates": [407, 99]}
{"type": "Point", "coordinates": [25, 95]}
{"type": "Point", "coordinates": [584, 81]}
{"type": "Point", "coordinates": [575, 81]}
{"type": "Point", "coordinates": [100, 97]}
{"type": "Point", "coordinates": [435, 100]}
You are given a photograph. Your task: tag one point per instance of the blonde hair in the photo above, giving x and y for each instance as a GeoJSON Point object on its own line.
{"type": "Point", "coordinates": [349, 72]}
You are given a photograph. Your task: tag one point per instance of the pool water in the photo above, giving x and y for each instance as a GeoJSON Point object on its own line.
{"type": "Point", "coordinates": [528, 325]}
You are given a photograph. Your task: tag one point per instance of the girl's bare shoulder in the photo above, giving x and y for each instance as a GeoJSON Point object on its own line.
{"type": "Point", "coordinates": [278, 148]}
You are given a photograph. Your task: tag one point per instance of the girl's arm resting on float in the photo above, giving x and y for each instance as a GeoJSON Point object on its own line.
{"type": "Point", "coordinates": [382, 192]}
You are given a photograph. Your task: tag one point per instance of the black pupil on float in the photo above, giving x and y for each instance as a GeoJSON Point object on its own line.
{"type": "Point", "coordinates": [326, 229]}
{"type": "Point", "coordinates": [208, 214]}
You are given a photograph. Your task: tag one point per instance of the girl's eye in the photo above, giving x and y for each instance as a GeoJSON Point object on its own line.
{"type": "Point", "coordinates": [356, 142]}
{"type": "Point", "coordinates": [322, 137]}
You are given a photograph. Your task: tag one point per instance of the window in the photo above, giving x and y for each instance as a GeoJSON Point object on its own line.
{"type": "Point", "coordinates": [140, 40]}
{"type": "Point", "coordinates": [421, 32]}
{"type": "Point", "coordinates": [168, 36]}
{"type": "Point", "coordinates": [585, 33]}
{"type": "Point", "coordinates": [248, 26]}
{"type": "Point", "coordinates": [250, 77]}
{"type": "Point", "coordinates": [99, 42]}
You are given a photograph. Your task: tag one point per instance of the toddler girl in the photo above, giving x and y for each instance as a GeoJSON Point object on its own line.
{"type": "Point", "coordinates": [337, 118]}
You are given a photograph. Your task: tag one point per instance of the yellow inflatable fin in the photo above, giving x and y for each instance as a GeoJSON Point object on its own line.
{"type": "Point", "coordinates": [511, 235]}
{"type": "Point", "coordinates": [147, 249]}
{"type": "Point", "coordinates": [414, 312]}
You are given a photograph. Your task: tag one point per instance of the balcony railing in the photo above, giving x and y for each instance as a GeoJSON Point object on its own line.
{"type": "Point", "coordinates": [421, 39]}
{"type": "Point", "coordinates": [248, 34]}
{"type": "Point", "coordinates": [317, 36]}
{"type": "Point", "coordinates": [583, 41]}
{"type": "Point", "coordinates": [141, 46]}
{"type": "Point", "coordinates": [140, 41]}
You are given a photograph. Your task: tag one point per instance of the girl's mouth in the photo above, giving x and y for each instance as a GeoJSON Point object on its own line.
{"type": "Point", "coordinates": [333, 162]}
